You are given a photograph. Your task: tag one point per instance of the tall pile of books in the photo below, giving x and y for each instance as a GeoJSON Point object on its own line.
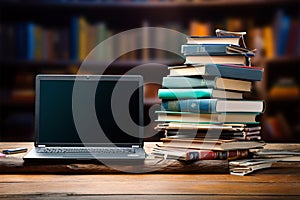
{"type": "Point", "coordinates": [205, 113]}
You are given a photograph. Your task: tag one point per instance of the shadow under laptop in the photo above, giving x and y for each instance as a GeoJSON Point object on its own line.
{"type": "Point", "coordinates": [84, 166]}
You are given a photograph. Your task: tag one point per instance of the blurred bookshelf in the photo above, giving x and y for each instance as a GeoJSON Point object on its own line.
{"type": "Point", "coordinates": [44, 36]}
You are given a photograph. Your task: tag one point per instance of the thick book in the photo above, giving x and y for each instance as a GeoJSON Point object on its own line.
{"type": "Point", "coordinates": [214, 49]}
{"type": "Point", "coordinates": [226, 71]}
{"type": "Point", "coordinates": [207, 82]}
{"type": "Point", "coordinates": [193, 155]}
{"type": "Point", "coordinates": [196, 93]}
{"type": "Point", "coordinates": [206, 118]}
{"type": "Point", "coordinates": [213, 105]}
{"type": "Point", "coordinates": [213, 40]}
{"type": "Point", "coordinates": [211, 144]}
{"type": "Point", "coordinates": [236, 59]}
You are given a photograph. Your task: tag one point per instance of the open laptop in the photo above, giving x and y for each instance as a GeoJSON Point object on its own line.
{"type": "Point", "coordinates": [86, 117]}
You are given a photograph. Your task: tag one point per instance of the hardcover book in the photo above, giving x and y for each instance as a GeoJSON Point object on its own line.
{"type": "Point", "coordinates": [213, 105]}
{"type": "Point", "coordinates": [214, 49]}
{"type": "Point", "coordinates": [218, 144]}
{"type": "Point", "coordinates": [226, 71]}
{"type": "Point", "coordinates": [206, 118]}
{"type": "Point", "coordinates": [218, 59]}
{"type": "Point", "coordinates": [207, 82]}
{"type": "Point", "coordinates": [193, 155]}
{"type": "Point", "coordinates": [213, 40]}
{"type": "Point", "coordinates": [196, 93]}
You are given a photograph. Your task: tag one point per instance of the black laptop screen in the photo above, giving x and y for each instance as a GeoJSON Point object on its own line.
{"type": "Point", "coordinates": [56, 112]}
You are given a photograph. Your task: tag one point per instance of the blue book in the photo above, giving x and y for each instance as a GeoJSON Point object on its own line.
{"type": "Point", "coordinates": [214, 49]}
{"type": "Point", "coordinates": [214, 106]}
{"type": "Point", "coordinates": [74, 43]}
{"type": "Point", "coordinates": [227, 71]}
{"type": "Point", "coordinates": [282, 34]}
{"type": "Point", "coordinates": [21, 41]}
{"type": "Point", "coordinates": [30, 40]}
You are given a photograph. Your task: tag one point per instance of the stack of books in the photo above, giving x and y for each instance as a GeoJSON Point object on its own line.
{"type": "Point", "coordinates": [204, 113]}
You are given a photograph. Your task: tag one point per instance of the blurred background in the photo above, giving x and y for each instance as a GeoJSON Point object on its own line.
{"type": "Point", "coordinates": [43, 36]}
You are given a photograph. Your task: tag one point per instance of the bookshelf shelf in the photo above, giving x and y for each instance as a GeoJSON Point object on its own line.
{"type": "Point", "coordinates": [253, 16]}
{"type": "Point", "coordinates": [65, 63]}
{"type": "Point", "coordinates": [148, 4]}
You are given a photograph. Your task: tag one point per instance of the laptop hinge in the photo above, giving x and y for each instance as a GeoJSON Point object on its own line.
{"type": "Point", "coordinates": [41, 145]}
{"type": "Point", "coordinates": [135, 146]}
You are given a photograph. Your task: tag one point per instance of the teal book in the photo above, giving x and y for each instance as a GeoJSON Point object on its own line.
{"type": "Point", "coordinates": [214, 106]}
{"type": "Point", "coordinates": [192, 93]}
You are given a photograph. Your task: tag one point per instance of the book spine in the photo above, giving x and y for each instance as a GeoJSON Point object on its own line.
{"type": "Point", "coordinates": [242, 73]}
{"type": "Point", "coordinates": [191, 105]}
{"type": "Point", "coordinates": [216, 155]}
{"type": "Point", "coordinates": [83, 34]}
{"type": "Point", "coordinates": [30, 41]}
{"type": "Point", "coordinates": [185, 82]}
{"type": "Point", "coordinates": [201, 155]}
{"type": "Point", "coordinates": [184, 93]}
{"type": "Point", "coordinates": [74, 43]}
{"type": "Point", "coordinates": [204, 49]}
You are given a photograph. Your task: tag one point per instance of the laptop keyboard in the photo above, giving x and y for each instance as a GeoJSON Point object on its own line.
{"type": "Point", "coordinates": [106, 150]}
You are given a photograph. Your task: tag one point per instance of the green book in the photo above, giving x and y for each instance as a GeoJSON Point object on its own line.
{"type": "Point", "coordinates": [191, 93]}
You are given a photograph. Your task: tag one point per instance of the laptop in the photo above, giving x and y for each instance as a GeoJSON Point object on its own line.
{"type": "Point", "coordinates": [87, 117]}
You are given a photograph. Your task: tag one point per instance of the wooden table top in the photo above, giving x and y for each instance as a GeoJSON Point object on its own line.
{"type": "Point", "coordinates": [280, 181]}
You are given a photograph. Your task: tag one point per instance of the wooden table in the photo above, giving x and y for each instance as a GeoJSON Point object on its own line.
{"type": "Point", "coordinates": [281, 181]}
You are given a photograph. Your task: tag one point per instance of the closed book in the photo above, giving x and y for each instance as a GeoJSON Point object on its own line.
{"type": "Point", "coordinates": [206, 118]}
{"type": "Point", "coordinates": [30, 40]}
{"type": "Point", "coordinates": [213, 134]}
{"type": "Point", "coordinates": [193, 155]}
{"type": "Point", "coordinates": [213, 40]}
{"type": "Point", "coordinates": [214, 49]}
{"type": "Point", "coordinates": [213, 105]}
{"type": "Point", "coordinates": [74, 38]}
{"type": "Point", "coordinates": [207, 82]}
{"type": "Point", "coordinates": [197, 93]}
{"type": "Point", "coordinates": [226, 71]}
{"type": "Point", "coordinates": [238, 59]}
{"type": "Point", "coordinates": [211, 144]}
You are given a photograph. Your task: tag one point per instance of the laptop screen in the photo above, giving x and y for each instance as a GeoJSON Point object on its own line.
{"type": "Point", "coordinates": [94, 110]}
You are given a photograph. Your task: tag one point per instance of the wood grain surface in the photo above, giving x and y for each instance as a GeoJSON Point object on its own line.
{"type": "Point", "coordinates": [282, 181]}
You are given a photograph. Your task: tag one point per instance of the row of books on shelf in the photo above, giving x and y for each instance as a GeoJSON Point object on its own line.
{"type": "Point", "coordinates": [204, 114]}
{"type": "Point", "coordinates": [33, 41]}
{"type": "Point", "coordinates": [279, 38]}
